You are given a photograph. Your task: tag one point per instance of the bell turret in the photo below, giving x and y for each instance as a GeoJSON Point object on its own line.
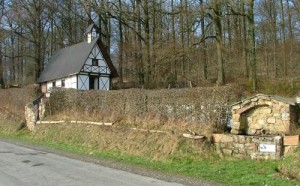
{"type": "Point", "coordinates": [91, 33]}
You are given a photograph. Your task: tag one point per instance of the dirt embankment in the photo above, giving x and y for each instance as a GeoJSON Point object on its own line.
{"type": "Point", "coordinates": [122, 139]}
{"type": "Point", "coordinates": [137, 115]}
{"type": "Point", "coordinates": [13, 100]}
{"type": "Point", "coordinates": [12, 106]}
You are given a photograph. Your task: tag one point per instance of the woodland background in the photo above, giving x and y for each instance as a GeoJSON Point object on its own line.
{"type": "Point", "coordinates": [158, 43]}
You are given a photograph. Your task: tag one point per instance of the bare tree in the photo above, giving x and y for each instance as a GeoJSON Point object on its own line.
{"type": "Point", "coordinates": [216, 16]}
{"type": "Point", "coordinates": [252, 49]}
{"type": "Point", "coordinates": [205, 75]}
{"type": "Point", "coordinates": [1, 40]}
{"type": "Point", "coordinates": [121, 45]}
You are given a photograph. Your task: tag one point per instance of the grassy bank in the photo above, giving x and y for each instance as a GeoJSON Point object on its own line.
{"type": "Point", "coordinates": [201, 166]}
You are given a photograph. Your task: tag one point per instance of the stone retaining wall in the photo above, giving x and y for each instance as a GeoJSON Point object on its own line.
{"type": "Point", "coordinates": [243, 146]}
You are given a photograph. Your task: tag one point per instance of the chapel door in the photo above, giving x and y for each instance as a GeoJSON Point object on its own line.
{"type": "Point", "coordinates": [93, 83]}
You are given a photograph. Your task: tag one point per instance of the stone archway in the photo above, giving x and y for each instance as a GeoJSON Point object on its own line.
{"type": "Point", "coordinates": [261, 115]}
{"type": "Point", "coordinates": [257, 120]}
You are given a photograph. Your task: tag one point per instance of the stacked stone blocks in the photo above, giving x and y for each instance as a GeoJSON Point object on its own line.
{"type": "Point", "coordinates": [262, 115]}
{"type": "Point", "coordinates": [259, 128]}
{"type": "Point", "coordinates": [242, 146]}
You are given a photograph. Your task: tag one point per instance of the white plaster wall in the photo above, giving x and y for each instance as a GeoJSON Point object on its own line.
{"type": "Point", "coordinates": [49, 85]}
{"type": "Point", "coordinates": [88, 61]}
{"type": "Point", "coordinates": [71, 82]}
{"type": "Point", "coordinates": [58, 83]}
{"type": "Point", "coordinates": [102, 64]}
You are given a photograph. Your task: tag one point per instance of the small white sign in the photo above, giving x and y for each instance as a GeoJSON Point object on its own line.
{"type": "Point", "coordinates": [267, 148]}
{"type": "Point", "coordinates": [298, 100]}
{"type": "Point", "coordinates": [47, 94]}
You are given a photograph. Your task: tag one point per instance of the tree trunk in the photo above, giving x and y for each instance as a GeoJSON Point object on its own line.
{"type": "Point", "coordinates": [174, 62]}
{"type": "Point", "coordinates": [219, 41]}
{"type": "Point", "coordinates": [1, 68]}
{"type": "Point", "coordinates": [204, 53]}
{"type": "Point", "coordinates": [283, 40]}
{"type": "Point", "coordinates": [147, 42]}
{"type": "Point", "coordinates": [252, 49]}
{"type": "Point", "coordinates": [188, 37]}
{"type": "Point", "coordinates": [290, 26]}
{"type": "Point", "coordinates": [38, 45]}
{"type": "Point", "coordinates": [273, 15]}
{"type": "Point", "coordinates": [245, 47]}
{"type": "Point", "coordinates": [12, 66]}
{"type": "Point", "coordinates": [291, 33]}
{"type": "Point", "coordinates": [155, 33]}
{"type": "Point", "coordinates": [182, 38]}
{"type": "Point", "coordinates": [120, 46]}
{"type": "Point", "coordinates": [140, 46]}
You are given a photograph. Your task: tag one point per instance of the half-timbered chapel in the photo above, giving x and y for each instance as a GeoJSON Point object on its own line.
{"type": "Point", "coordinates": [83, 66]}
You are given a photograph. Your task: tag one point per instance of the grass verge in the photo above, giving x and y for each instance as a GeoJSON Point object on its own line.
{"type": "Point", "coordinates": [227, 171]}
{"type": "Point", "coordinates": [291, 164]}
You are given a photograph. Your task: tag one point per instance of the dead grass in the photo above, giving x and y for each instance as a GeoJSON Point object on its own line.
{"type": "Point", "coordinates": [290, 166]}
{"type": "Point", "coordinates": [120, 137]}
{"type": "Point", "coordinates": [9, 124]}
{"type": "Point", "coordinates": [13, 101]}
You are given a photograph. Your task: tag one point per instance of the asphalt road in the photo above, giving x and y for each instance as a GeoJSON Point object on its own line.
{"type": "Point", "coordinates": [23, 166]}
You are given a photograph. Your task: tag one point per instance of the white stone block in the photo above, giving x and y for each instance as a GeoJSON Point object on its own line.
{"type": "Point", "coordinates": [258, 127]}
{"type": "Point", "coordinates": [236, 107]}
{"type": "Point", "coordinates": [285, 116]}
{"type": "Point", "coordinates": [271, 120]}
{"type": "Point", "coordinates": [261, 122]}
{"type": "Point", "coordinates": [254, 99]}
{"type": "Point", "coordinates": [277, 115]}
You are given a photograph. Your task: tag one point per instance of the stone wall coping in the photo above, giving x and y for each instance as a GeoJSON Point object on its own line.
{"type": "Point", "coordinates": [268, 135]}
{"type": "Point", "coordinates": [291, 101]}
{"type": "Point", "coordinates": [225, 138]}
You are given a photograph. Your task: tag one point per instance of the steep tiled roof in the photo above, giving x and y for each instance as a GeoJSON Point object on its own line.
{"type": "Point", "coordinates": [70, 60]}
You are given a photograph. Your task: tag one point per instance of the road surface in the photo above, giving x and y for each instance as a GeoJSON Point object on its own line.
{"type": "Point", "coordinates": [22, 166]}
